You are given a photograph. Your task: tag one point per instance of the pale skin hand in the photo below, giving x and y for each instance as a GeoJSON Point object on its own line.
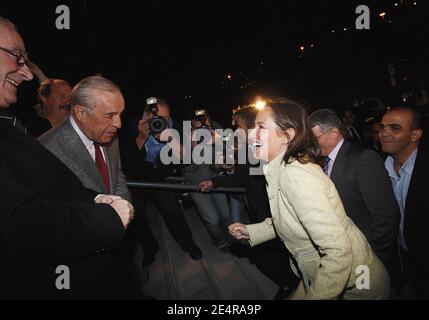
{"type": "Point", "coordinates": [239, 231]}
{"type": "Point", "coordinates": [106, 198]}
{"type": "Point", "coordinates": [34, 68]}
{"type": "Point", "coordinates": [125, 210]}
{"type": "Point", "coordinates": [143, 133]}
{"type": "Point", "coordinates": [206, 185]}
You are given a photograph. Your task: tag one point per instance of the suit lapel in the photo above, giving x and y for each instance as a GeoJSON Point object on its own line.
{"type": "Point", "coordinates": [417, 181]}
{"type": "Point", "coordinates": [340, 161]}
{"type": "Point", "coordinates": [24, 139]}
{"type": "Point", "coordinates": [110, 160]}
{"type": "Point", "coordinates": [77, 152]}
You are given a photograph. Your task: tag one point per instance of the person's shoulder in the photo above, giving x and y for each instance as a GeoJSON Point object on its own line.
{"type": "Point", "coordinates": [303, 178]}
{"type": "Point", "coordinates": [422, 159]}
{"type": "Point", "coordinates": [54, 135]}
{"type": "Point", "coordinates": [364, 154]}
{"type": "Point", "coordinates": [297, 171]}
{"type": "Point", "coordinates": [49, 136]}
{"type": "Point", "coordinates": [423, 152]}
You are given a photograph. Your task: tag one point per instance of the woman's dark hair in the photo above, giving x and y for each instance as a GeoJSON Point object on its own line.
{"type": "Point", "coordinates": [303, 147]}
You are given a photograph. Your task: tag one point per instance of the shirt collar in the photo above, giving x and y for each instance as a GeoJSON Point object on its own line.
{"type": "Point", "coordinates": [87, 142]}
{"type": "Point", "coordinates": [407, 167]}
{"type": "Point", "coordinates": [334, 153]}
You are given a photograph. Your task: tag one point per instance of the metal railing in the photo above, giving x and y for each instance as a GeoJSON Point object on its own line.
{"type": "Point", "coordinates": [180, 187]}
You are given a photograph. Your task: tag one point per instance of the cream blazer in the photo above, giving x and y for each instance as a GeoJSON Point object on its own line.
{"type": "Point", "coordinates": [309, 217]}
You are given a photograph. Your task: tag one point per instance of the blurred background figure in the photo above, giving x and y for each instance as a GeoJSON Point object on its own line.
{"type": "Point", "coordinates": [52, 108]}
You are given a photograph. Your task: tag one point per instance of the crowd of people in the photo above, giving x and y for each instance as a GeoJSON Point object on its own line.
{"type": "Point", "coordinates": [334, 204]}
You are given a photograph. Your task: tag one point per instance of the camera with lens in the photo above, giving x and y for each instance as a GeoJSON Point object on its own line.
{"type": "Point", "coordinates": [201, 116]}
{"type": "Point", "coordinates": [157, 124]}
{"type": "Point", "coordinates": [224, 159]}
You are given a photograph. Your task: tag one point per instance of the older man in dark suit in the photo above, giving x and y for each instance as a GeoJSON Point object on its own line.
{"type": "Point", "coordinates": [401, 131]}
{"type": "Point", "coordinates": [363, 185]}
{"type": "Point", "coordinates": [47, 218]}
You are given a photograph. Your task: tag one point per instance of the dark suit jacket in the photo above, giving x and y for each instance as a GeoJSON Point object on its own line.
{"type": "Point", "coordinates": [65, 143]}
{"type": "Point", "coordinates": [47, 219]}
{"type": "Point", "coordinates": [134, 162]}
{"type": "Point", "coordinates": [417, 222]}
{"type": "Point", "coordinates": [367, 195]}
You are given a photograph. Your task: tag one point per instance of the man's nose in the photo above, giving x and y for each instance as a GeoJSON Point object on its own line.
{"type": "Point", "coordinates": [25, 72]}
{"type": "Point", "coordinates": [117, 123]}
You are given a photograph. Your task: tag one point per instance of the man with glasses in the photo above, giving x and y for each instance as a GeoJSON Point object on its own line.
{"type": "Point", "coordinates": [47, 218]}
{"type": "Point", "coordinates": [363, 185]}
{"type": "Point", "coordinates": [400, 133]}
{"type": "Point", "coordinates": [13, 72]}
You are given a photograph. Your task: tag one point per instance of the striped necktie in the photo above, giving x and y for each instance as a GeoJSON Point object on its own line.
{"type": "Point", "coordinates": [326, 165]}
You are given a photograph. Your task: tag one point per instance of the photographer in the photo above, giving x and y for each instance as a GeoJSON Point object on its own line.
{"type": "Point", "coordinates": [213, 208]}
{"type": "Point", "coordinates": [141, 162]}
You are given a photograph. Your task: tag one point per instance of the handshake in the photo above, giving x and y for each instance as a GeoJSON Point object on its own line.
{"type": "Point", "coordinates": [123, 208]}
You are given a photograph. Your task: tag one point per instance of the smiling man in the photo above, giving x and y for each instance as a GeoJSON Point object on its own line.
{"type": "Point", "coordinates": [400, 133]}
{"type": "Point", "coordinates": [13, 69]}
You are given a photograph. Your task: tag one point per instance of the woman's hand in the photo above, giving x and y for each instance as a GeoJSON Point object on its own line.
{"type": "Point", "coordinates": [206, 185]}
{"type": "Point", "coordinates": [239, 231]}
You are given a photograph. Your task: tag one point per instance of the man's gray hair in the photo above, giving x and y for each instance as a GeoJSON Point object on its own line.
{"type": "Point", "coordinates": [83, 93]}
{"type": "Point", "coordinates": [326, 119]}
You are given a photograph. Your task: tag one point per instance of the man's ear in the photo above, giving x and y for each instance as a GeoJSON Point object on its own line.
{"type": "Point", "coordinates": [42, 99]}
{"type": "Point", "coordinates": [335, 131]}
{"type": "Point", "coordinates": [79, 112]}
{"type": "Point", "coordinates": [416, 135]}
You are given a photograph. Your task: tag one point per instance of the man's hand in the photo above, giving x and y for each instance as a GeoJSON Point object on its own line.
{"type": "Point", "coordinates": [125, 210]}
{"type": "Point", "coordinates": [206, 185]}
{"type": "Point", "coordinates": [35, 70]}
{"type": "Point", "coordinates": [106, 198]}
{"type": "Point", "coordinates": [239, 231]}
{"type": "Point", "coordinates": [143, 133]}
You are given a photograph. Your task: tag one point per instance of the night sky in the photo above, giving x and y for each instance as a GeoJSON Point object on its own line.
{"type": "Point", "coordinates": [184, 51]}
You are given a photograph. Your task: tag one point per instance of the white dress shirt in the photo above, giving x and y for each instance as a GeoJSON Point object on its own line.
{"type": "Point", "coordinates": [333, 155]}
{"type": "Point", "coordinates": [89, 144]}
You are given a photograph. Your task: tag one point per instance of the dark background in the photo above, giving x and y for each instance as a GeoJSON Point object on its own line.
{"type": "Point", "coordinates": [184, 50]}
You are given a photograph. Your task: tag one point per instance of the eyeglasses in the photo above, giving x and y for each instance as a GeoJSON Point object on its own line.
{"type": "Point", "coordinates": [21, 57]}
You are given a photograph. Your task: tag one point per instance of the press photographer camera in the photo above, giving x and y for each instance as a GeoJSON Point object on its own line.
{"type": "Point", "coordinates": [223, 145]}
{"type": "Point", "coordinates": [157, 124]}
{"type": "Point", "coordinates": [201, 116]}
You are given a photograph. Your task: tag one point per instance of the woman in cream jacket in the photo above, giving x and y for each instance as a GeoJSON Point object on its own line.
{"type": "Point", "coordinates": [330, 254]}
